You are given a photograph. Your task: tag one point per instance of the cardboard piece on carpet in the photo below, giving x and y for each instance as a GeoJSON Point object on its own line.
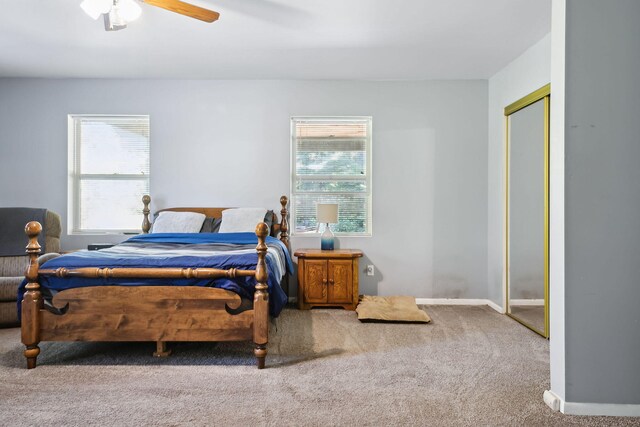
{"type": "Point", "coordinates": [390, 309]}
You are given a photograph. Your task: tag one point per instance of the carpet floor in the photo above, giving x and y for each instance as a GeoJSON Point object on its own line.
{"type": "Point", "coordinates": [470, 367]}
{"type": "Point", "coordinates": [530, 314]}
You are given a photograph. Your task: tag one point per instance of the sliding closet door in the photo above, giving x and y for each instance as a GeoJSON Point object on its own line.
{"type": "Point", "coordinates": [527, 211]}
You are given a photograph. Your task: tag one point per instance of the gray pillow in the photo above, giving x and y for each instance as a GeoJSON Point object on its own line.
{"type": "Point", "coordinates": [207, 225]}
{"type": "Point", "coordinates": [215, 225]}
{"type": "Point", "coordinates": [268, 218]}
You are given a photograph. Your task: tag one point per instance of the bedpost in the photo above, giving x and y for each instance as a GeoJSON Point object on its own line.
{"type": "Point", "coordinates": [284, 222]}
{"type": "Point", "coordinates": [146, 225]}
{"type": "Point", "coordinates": [284, 235]}
{"type": "Point", "coordinates": [261, 298]}
{"type": "Point", "coordinates": [32, 299]}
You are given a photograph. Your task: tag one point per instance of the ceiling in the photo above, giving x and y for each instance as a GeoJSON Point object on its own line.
{"type": "Point", "coordinates": [275, 39]}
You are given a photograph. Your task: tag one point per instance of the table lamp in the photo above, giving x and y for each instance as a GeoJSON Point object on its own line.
{"type": "Point", "coordinates": [328, 214]}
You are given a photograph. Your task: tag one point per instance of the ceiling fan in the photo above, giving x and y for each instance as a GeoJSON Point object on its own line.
{"type": "Point", "coordinates": [117, 13]}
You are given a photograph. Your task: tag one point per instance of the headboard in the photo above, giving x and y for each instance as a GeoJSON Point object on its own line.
{"type": "Point", "coordinates": [279, 227]}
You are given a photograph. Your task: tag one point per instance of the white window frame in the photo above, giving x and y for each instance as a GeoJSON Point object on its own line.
{"type": "Point", "coordinates": [369, 174]}
{"type": "Point", "coordinates": [74, 177]}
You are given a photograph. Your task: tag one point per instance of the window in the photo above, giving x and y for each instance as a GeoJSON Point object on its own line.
{"type": "Point", "coordinates": [331, 163]}
{"type": "Point", "coordinates": [108, 173]}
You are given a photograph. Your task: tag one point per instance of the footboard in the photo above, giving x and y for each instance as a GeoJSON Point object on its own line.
{"type": "Point", "coordinates": [145, 313]}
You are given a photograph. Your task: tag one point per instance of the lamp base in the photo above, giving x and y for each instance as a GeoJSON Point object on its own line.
{"type": "Point", "coordinates": [327, 239]}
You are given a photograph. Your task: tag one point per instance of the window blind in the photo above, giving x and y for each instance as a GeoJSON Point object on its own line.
{"type": "Point", "coordinates": [109, 172]}
{"type": "Point", "coordinates": [332, 164]}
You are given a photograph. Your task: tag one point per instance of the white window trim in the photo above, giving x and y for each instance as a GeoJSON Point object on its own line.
{"type": "Point", "coordinates": [73, 179]}
{"type": "Point", "coordinates": [292, 177]}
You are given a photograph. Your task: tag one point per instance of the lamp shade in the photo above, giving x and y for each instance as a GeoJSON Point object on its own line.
{"type": "Point", "coordinates": [327, 213]}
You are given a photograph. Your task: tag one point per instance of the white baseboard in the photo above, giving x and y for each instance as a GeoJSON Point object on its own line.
{"type": "Point", "coordinates": [527, 301]}
{"type": "Point", "coordinates": [595, 409]}
{"type": "Point", "coordinates": [447, 301]}
{"type": "Point", "coordinates": [459, 301]}
{"type": "Point", "coordinates": [552, 400]}
{"type": "Point", "coordinates": [495, 306]}
{"type": "Point", "coordinates": [450, 301]}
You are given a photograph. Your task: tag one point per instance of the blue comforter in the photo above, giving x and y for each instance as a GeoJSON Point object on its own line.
{"type": "Point", "coordinates": [210, 250]}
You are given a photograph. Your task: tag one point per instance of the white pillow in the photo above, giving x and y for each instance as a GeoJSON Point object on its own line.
{"type": "Point", "coordinates": [241, 219]}
{"type": "Point", "coordinates": [178, 222]}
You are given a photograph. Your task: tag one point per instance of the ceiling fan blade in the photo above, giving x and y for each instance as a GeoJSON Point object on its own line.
{"type": "Point", "coordinates": [186, 9]}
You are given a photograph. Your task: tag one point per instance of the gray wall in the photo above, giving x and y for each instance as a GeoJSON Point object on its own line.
{"type": "Point", "coordinates": [602, 202]}
{"type": "Point", "coordinates": [227, 143]}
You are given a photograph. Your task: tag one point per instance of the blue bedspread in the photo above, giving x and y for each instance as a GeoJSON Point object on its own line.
{"type": "Point", "coordinates": [209, 250]}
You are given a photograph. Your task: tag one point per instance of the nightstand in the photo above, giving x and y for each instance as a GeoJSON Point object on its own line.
{"type": "Point", "coordinates": [328, 278]}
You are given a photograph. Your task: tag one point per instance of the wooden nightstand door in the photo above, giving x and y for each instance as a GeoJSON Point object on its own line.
{"type": "Point", "coordinates": [340, 288]}
{"type": "Point", "coordinates": [315, 279]}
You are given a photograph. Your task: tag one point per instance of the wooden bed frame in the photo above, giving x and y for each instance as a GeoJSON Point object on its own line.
{"type": "Point", "coordinates": [149, 313]}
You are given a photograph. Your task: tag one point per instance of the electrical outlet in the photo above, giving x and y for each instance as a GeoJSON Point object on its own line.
{"type": "Point", "coordinates": [370, 270]}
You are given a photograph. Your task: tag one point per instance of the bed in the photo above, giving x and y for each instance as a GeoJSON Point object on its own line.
{"type": "Point", "coordinates": [135, 291]}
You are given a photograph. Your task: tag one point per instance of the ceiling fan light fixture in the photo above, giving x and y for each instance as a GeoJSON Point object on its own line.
{"type": "Point", "coordinates": [113, 21]}
{"type": "Point", "coordinates": [95, 8]}
{"type": "Point", "coordinates": [117, 13]}
{"type": "Point", "coordinates": [129, 10]}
